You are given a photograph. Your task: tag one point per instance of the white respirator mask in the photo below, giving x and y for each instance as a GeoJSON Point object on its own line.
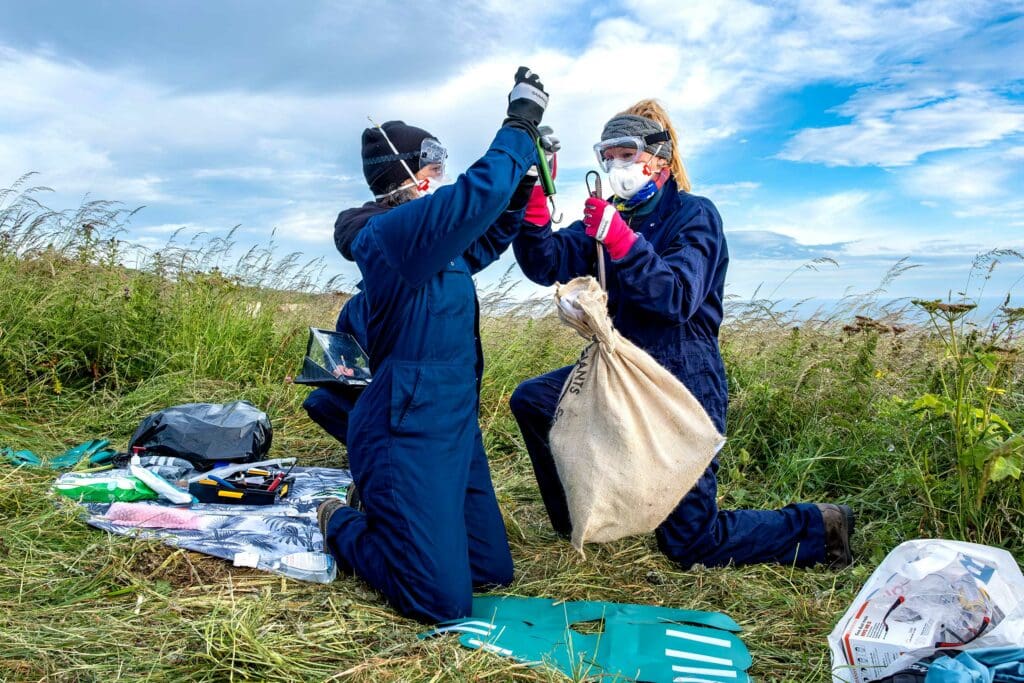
{"type": "Point", "coordinates": [627, 178]}
{"type": "Point", "coordinates": [432, 184]}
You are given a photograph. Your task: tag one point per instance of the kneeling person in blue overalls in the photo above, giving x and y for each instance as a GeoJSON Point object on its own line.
{"type": "Point", "coordinates": [430, 530]}
{"type": "Point", "coordinates": [666, 257]}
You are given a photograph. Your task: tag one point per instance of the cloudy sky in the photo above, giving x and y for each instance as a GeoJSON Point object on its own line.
{"type": "Point", "coordinates": [862, 131]}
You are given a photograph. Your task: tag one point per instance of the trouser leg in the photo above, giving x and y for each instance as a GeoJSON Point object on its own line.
{"type": "Point", "coordinates": [411, 542]}
{"type": "Point", "coordinates": [490, 560]}
{"type": "Point", "coordinates": [330, 409]}
{"type": "Point", "coordinates": [533, 404]}
{"type": "Point", "coordinates": [698, 532]}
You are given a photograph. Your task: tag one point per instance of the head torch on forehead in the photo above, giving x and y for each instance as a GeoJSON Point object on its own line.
{"type": "Point", "coordinates": [626, 149]}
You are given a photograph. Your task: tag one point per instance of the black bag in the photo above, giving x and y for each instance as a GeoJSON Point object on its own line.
{"type": "Point", "coordinates": [206, 433]}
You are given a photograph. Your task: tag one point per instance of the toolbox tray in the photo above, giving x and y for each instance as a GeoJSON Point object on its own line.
{"type": "Point", "coordinates": [209, 491]}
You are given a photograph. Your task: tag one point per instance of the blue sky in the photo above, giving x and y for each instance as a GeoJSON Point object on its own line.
{"type": "Point", "coordinates": [862, 131]}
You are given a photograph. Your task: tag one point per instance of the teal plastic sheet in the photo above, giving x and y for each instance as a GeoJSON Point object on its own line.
{"type": "Point", "coordinates": [610, 640]}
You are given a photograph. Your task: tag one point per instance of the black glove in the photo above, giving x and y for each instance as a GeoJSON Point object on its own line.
{"type": "Point", "coordinates": [526, 102]}
{"type": "Point", "coordinates": [521, 195]}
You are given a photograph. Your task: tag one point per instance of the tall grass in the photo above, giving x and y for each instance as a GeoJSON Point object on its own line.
{"type": "Point", "coordinates": [95, 334]}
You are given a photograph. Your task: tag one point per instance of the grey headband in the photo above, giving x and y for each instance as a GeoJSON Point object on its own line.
{"type": "Point", "coordinates": [625, 125]}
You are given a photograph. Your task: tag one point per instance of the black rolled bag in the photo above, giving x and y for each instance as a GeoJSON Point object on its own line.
{"type": "Point", "coordinates": [206, 433]}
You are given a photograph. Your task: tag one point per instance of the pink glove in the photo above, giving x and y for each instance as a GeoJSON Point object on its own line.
{"type": "Point", "coordinates": [537, 212]}
{"type": "Point", "coordinates": [605, 225]}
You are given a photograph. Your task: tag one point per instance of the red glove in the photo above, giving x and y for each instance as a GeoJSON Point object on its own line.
{"type": "Point", "coordinates": [537, 211]}
{"type": "Point", "coordinates": [605, 225]}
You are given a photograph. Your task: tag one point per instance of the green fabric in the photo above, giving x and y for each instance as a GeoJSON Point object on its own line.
{"type": "Point", "coordinates": [20, 458]}
{"type": "Point", "coordinates": [96, 448]}
{"type": "Point", "coordinates": [583, 639]}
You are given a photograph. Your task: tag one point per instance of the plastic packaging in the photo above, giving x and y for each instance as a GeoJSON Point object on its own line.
{"type": "Point", "coordinates": [159, 484]}
{"type": "Point", "coordinates": [106, 489]}
{"type": "Point", "coordinates": [308, 566]}
{"type": "Point", "coordinates": [206, 433]}
{"type": "Point", "coordinates": [929, 595]}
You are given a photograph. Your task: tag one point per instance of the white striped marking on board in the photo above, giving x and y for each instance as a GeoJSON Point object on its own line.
{"type": "Point", "coordinates": [680, 654]}
{"type": "Point", "coordinates": [490, 647]}
{"type": "Point", "coordinates": [707, 640]}
{"type": "Point", "coordinates": [720, 673]}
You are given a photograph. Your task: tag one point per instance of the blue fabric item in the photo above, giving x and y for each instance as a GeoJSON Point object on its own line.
{"type": "Point", "coordinates": [666, 297]}
{"type": "Point", "coordinates": [432, 530]}
{"type": "Point", "coordinates": [989, 665]}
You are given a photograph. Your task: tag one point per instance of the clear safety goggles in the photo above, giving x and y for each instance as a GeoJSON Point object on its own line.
{"type": "Point", "coordinates": [625, 150]}
{"type": "Point", "coordinates": [433, 153]}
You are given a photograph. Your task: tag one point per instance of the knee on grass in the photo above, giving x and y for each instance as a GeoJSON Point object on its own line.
{"type": "Point", "coordinates": [523, 402]}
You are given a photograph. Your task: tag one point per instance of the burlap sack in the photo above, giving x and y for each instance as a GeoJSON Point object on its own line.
{"type": "Point", "coordinates": [629, 440]}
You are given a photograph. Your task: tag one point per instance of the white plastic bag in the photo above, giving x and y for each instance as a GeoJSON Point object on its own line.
{"type": "Point", "coordinates": [629, 439]}
{"type": "Point", "coordinates": [927, 595]}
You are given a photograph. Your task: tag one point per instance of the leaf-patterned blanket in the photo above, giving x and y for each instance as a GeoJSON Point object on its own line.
{"type": "Point", "coordinates": [282, 538]}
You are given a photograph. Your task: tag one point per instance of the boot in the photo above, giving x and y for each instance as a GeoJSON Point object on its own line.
{"type": "Point", "coordinates": [838, 521]}
{"type": "Point", "coordinates": [325, 510]}
{"type": "Point", "coordinates": [352, 498]}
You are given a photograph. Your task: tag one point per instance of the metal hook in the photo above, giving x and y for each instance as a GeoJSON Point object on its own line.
{"type": "Point", "coordinates": [551, 208]}
{"type": "Point", "coordinates": [596, 191]}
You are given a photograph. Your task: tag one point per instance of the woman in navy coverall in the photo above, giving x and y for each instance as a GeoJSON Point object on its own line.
{"type": "Point", "coordinates": [431, 531]}
{"type": "Point", "coordinates": [666, 260]}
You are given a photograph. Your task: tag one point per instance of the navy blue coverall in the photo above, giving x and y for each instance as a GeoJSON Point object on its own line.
{"type": "Point", "coordinates": [329, 407]}
{"type": "Point", "coordinates": [665, 295]}
{"type": "Point", "coordinates": [432, 530]}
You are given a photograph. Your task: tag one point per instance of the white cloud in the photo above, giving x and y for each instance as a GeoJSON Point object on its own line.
{"type": "Point", "coordinates": [290, 158]}
{"type": "Point", "coordinates": [976, 184]}
{"type": "Point", "coordinates": [309, 224]}
{"type": "Point", "coordinates": [886, 136]}
{"type": "Point", "coordinates": [727, 194]}
{"type": "Point", "coordinates": [838, 217]}
{"type": "Point", "coordinates": [962, 178]}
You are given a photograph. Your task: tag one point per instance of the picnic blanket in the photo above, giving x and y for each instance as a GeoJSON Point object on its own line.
{"type": "Point", "coordinates": [282, 538]}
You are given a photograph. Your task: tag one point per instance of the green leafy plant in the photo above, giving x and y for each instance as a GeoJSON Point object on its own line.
{"type": "Point", "coordinates": [986, 447]}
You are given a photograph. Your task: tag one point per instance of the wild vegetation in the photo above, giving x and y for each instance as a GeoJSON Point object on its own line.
{"type": "Point", "coordinates": [910, 412]}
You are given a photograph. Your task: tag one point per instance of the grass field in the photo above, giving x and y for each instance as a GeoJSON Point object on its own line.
{"type": "Point", "coordinates": [909, 414]}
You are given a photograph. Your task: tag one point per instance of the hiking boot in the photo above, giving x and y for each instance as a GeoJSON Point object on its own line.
{"type": "Point", "coordinates": [325, 510]}
{"type": "Point", "coordinates": [352, 498]}
{"type": "Point", "coordinates": [838, 521]}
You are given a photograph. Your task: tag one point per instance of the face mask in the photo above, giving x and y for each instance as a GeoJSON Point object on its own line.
{"type": "Point", "coordinates": [430, 184]}
{"type": "Point", "coordinates": [627, 179]}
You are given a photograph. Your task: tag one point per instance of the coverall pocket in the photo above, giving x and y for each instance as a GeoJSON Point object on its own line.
{"type": "Point", "coordinates": [432, 400]}
{"type": "Point", "coordinates": [404, 383]}
{"type": "Point", "coordinates": [452, 292]}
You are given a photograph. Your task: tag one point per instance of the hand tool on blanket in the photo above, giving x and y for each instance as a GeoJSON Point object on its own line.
{"type": "Point", "coordinates": [258, 485]}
